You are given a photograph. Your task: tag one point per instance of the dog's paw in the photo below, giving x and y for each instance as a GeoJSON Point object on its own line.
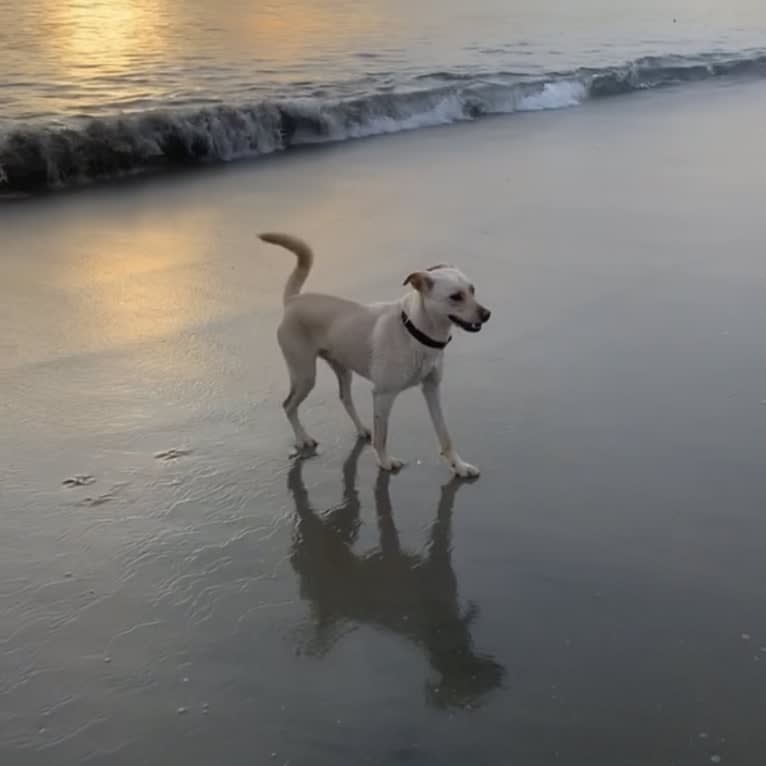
{"type": "Point", "coordinates": [390, 464]}
{"type": "Point", "coordinates": [465, 470]}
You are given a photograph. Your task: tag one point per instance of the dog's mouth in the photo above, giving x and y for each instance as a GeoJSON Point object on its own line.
{"type": "Point", "coordinates": [467, 326]}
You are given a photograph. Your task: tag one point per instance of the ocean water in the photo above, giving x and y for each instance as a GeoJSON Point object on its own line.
{"type": "Point", "coordinates": [101, 88]}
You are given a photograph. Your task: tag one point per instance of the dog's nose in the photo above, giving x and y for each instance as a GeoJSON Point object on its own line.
{"type": "Point", "coordinates": [484, 314]}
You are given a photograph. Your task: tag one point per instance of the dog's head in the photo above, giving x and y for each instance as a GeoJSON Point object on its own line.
{"type": "Point", "coordinates": [448, 293]}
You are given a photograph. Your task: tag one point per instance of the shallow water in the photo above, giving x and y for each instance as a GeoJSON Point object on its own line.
{"type": "Point", "coordinates": [595, 598]}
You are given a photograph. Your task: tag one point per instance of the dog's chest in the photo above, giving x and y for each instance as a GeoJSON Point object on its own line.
{"type": "Point", "coordinates": [417, 367]}
{"type": "Point", "coordinates": [398, 362]}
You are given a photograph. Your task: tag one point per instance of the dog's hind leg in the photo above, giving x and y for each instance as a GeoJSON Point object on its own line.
{"type": "Point", "coordinates": [345, 376]}
{"type": "Point", "coordinates": [301, 365]}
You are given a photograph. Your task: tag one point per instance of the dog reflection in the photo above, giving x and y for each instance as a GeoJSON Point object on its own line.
{"type": "Point", "coordinates": [412, 595]}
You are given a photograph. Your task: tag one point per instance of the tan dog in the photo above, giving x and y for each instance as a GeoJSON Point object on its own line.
{"type": "Point", "coordinates": [395, 345]}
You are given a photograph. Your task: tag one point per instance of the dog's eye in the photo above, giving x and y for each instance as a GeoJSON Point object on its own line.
{"type": "Point", "coordinates": [457, 297]}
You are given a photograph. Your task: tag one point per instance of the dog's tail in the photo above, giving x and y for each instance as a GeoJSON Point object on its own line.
{"type": "Point", "coordinates": [305, 258]}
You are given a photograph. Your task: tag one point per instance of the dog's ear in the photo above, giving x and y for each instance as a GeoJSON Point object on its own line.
{"type": "Point", "coordinates": [421, 281]}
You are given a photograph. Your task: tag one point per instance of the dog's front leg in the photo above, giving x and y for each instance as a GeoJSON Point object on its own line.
{"type": "Point", "coordinates": [432, 394]}
{"type": "Point", "coordinates": [382, 404]}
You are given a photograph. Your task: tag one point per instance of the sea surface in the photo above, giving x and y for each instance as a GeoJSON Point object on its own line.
{"type": "Point", "coordinates": [94, 89]}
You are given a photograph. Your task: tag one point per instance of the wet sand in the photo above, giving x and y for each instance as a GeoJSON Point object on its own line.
{"type": "Point", "coordinates": [595, 598]}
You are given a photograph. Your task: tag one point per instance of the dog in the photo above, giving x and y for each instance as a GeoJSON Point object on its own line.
{"type": "Point", "coordinates": [410, 595]}
{"type": "Point", "coordinates": [395, 345]}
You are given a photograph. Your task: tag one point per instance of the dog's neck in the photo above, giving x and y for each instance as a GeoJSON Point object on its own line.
{"type": "Point", "coordinates": [437, 328]}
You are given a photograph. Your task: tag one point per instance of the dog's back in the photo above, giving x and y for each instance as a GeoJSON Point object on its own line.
{"type": "Point", "coordinates": [334, 328]}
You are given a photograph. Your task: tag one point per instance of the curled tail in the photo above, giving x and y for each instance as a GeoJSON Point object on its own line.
{"type": "Point", "coordinates": [305, 258]}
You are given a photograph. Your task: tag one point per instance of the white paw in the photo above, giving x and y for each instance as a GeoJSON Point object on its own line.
{"type": "Point", "coordinates": [390, 463]}
{"type": "Point", "coordinates": [465, 470]}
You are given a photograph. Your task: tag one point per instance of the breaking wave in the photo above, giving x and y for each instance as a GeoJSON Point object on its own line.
{"type": "Point", "coordinates": [38, 157]}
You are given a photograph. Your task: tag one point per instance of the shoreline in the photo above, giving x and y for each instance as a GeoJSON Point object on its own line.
{"type": "Point", "coordinates": [594, 595]}
{"type": "Point", "coordinates": [111, 149]}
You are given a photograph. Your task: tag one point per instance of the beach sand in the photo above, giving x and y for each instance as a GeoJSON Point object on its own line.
{"type": "Point", "coordinates": [595, 598]}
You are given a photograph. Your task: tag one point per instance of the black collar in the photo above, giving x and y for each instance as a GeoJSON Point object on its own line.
{"type": "Point", "coordinates": [421, 337]}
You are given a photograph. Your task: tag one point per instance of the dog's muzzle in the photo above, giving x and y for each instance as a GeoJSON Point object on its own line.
{"type": "Point", "coordinates": [484, 315]}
